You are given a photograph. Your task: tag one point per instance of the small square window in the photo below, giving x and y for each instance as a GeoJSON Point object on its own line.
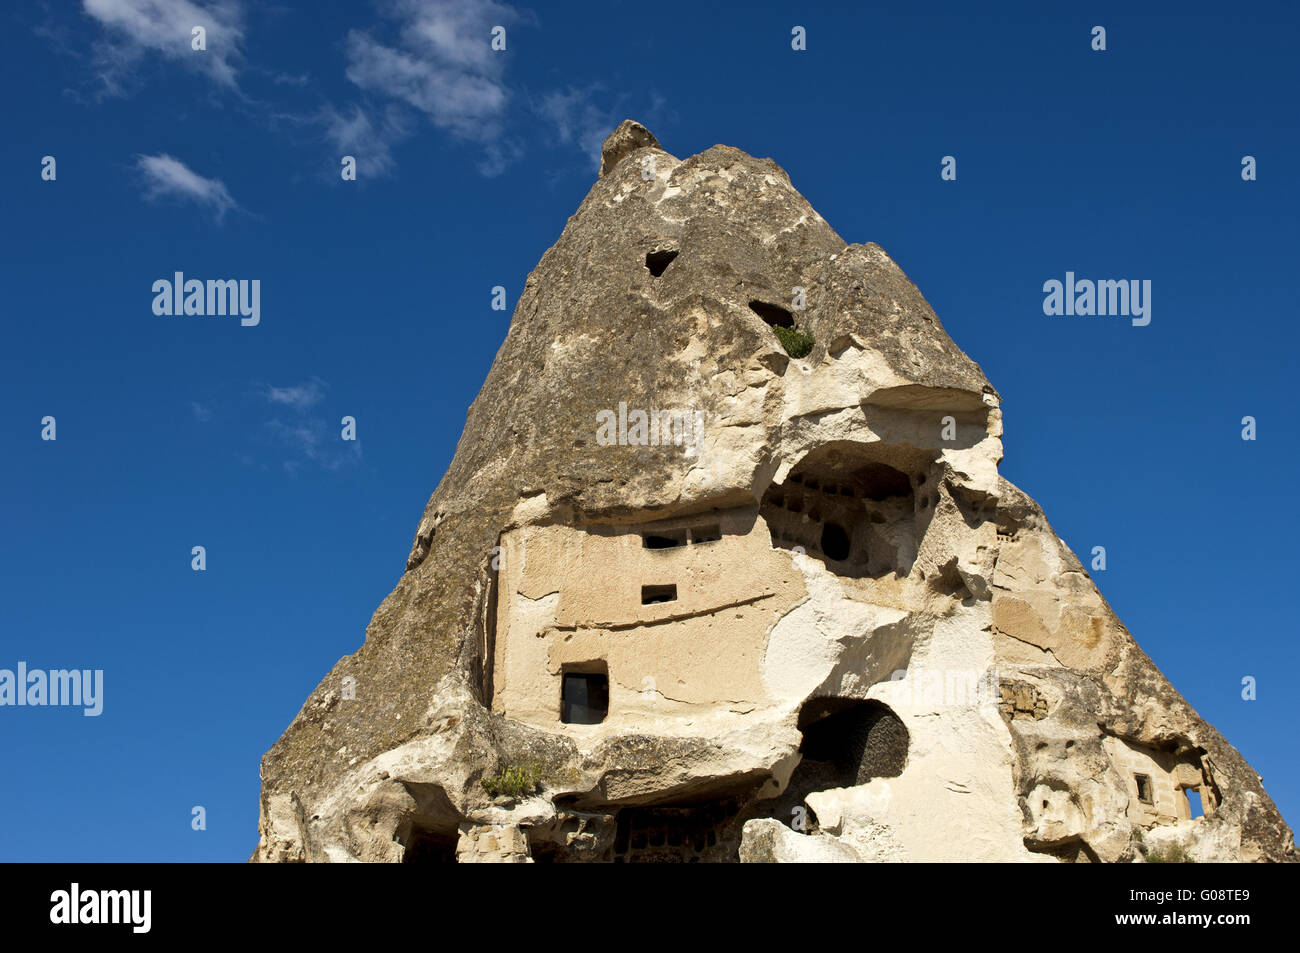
{"type": "Point", "coordinates": [584, 698]}
{"type": "Point", "coordinates": [1143, 787]}
{"type": "Point", "coordinates": [652, 595]}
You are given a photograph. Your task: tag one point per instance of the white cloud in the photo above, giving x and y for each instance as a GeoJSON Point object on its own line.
{"type": "Point", "coordinates": [167, 177]}
{"type": "Point", "coordinates": [441, 63]}
{"type": "Point", "coordinates": [305, 436]}
{"type": "Point", "coordinates": [368, 140]}
{"type": "Point", "coordinates": [300, 396]}
{"type": "Point", "coordinates": [135, 27]}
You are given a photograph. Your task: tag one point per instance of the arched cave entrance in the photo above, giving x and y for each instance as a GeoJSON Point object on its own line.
{"type": "Point", "coordinates": [859, 740]}
{"type": "Point", "coordinates": [844, 505]}
{"type": "Point", "coordinates": [846, 741]}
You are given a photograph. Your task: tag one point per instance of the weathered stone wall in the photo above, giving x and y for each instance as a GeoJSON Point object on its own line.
{"type": "Point", "coordinates": [572, 595]}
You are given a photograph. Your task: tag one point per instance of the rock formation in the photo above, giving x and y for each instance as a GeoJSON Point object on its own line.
{"type": "Point", "coordinates": [723, 569]}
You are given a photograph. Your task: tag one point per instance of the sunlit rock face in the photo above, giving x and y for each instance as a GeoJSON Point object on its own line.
{"type": "Point", "coordinates": [681, 596]}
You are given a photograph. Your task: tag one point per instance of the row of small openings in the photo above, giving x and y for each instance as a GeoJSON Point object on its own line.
{"type": "Point", "coordinates": [647, 840]}
{"type": "Point", "coordinates": [794, 505]}
{"type": "Point", "coordinates": [684, 834]}
{"type": "Point", "coordinates": [834, 542]}
{"type": "Point", "coordinates": [812, 484]}
{"type": "Point", "coordinates": [672, 538]}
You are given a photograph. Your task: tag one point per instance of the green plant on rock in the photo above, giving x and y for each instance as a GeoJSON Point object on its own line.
{"type": "Point", "coordinates": [1169, 854]}
{"type": "Point", "coordinates": [796, 341]}
{"type": "Point", "coordinates": [512, 780]}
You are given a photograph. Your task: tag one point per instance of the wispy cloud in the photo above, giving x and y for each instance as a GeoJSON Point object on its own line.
{"type": "Point", "coordinates": [136, 27]}
{"type": "Point", "coordinates": [202, 412]}
{"type": "Point", "coordinates": [418, 58]}
{"type": "Point", "coordinates": [168, 177]}
{"type": "Point", "coordinates": [369, 140]}
{"type": "Point", "coordinates": [298, 396]}
{"type": "Point", "coordinates": [439, 61]}
{"type": "Point", "coordinates": [578, 120]}
{"type": "Point", "coordinates": [312, 441]}
{"type": "Point", "coordinates": [305, 436]}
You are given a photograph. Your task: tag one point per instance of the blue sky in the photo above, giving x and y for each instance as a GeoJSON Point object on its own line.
{"type": "Point", "coordinates": [375, 300]}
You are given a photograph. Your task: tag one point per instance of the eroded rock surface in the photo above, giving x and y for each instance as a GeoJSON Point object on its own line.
{"type": "Point", "coordinates": [683, 597]}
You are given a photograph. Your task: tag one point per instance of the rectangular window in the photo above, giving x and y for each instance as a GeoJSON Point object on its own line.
{"type": "Point", "coordinates": [1194, 804]}
{"type": "Point", "coordinates": [652, 595]}
{"type": "Point", "coordinates": [664, 539]}
{"type": "Point", "coordinates": [706, 534]}
{"type": "Point", "coordinates": [1144, 787]}
{"type": "Point", "coordinates": [584, 698]}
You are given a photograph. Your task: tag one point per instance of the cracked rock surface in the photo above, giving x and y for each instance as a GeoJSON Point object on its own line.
{"type": "Point", "coordinates": [681, 596]}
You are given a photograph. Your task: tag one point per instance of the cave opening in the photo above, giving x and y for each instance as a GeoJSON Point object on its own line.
{"type": "Point", "coordinates": [658, 261]}
{"type": "Point", "coordinates": [859, 740]}
{"type": "Point", "coordinates": [842, 505]}
{"type": "Point", "coordinates": [429, 845]}
{"type": "Point", "coordinates": [706, 832]}
{"type": "Point", "coordinates": [772, 314]}
{"type": "Point", "coordinates": [846, 742]}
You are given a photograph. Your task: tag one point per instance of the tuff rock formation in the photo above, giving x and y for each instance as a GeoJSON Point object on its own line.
{"type": "Point", "coordinates": [682, 596]}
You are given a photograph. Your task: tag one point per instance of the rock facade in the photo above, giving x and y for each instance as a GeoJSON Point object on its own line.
{"type": "Point", "coordinates": [682, 596]}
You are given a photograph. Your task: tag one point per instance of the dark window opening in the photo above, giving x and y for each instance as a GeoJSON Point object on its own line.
{"type": "Point", "coordinates": [652, 595]}
{"type": "Point", "coordinates": [708, 832]}
{"type": "Point", "coordinates": [424, 845]}
{"type": "Point", "coordinates": [855, 740]}
{"type": "Point", "coordinates": [665, 539]}
{"type": "Point", "coordinates": [658, 261]}
{"type": "Point", "coordinates": [835, 542]}
{"type": "Point", "coordinates": [775, 315]}
{"type": "Point", "coordinates": [706, 534]}
{"type": "Point", "coordinates": [584, 698]}
{"type": "Point", "coordinates": [881, 481]}
{"type": "Point", "coordinates": [1143, 787]}
{"type": "Point", "coordinates": [1194, 804]}
{"type": "Point", "coordinates": [846, 742]}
